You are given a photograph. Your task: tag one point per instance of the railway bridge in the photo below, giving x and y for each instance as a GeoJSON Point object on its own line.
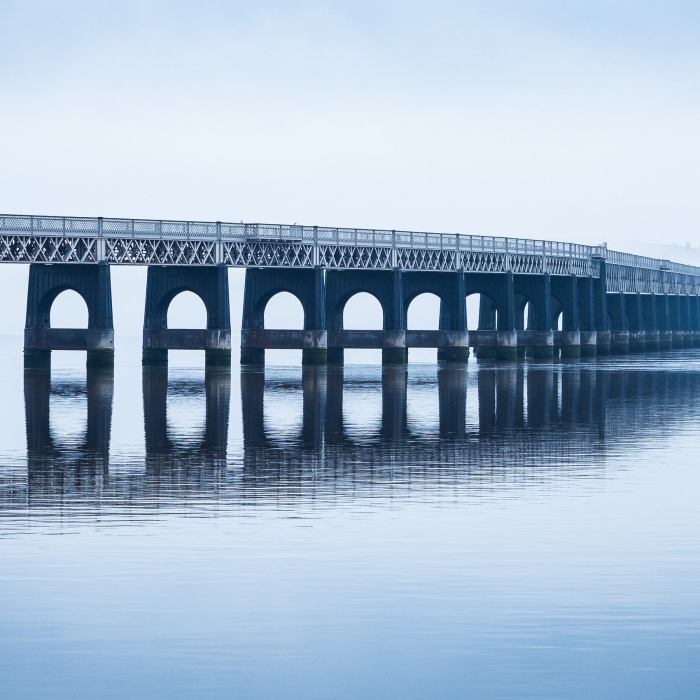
{"type": "Point", "coordinates": [538, 297]}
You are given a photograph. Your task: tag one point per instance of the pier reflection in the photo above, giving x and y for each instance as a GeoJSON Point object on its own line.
{"type": "Point", "coordinates": [348, 431]}
{"type": "Point", "coordinates": [52, 459]}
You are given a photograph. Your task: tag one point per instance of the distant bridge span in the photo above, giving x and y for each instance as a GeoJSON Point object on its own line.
{"type": "Point", "coordinates": [608, 301]}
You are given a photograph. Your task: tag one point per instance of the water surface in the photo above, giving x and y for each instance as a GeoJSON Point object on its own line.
{"type": "Point", "coordinates": [488, 531]}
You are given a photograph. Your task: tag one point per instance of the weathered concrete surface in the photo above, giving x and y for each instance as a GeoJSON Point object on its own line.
{"type": "Point", "coordinates": [651, 341]}
{"type": "Point", "coordinates": [637, 341]}
{"type": "Point", "coordinates": [499, 345]}
{"type": "Point", "coordinates": [69, 339]}
{"type": "Point", "coordinates": [536, 344]}
{"type": "Point", "coordinates": [603, 342]}
{"type": "Point", "coordinates": [589, 343]}
{"type": "Point", "coordinates": [665, 340]}
{"type": "Point", "coordinates": [620, 342]}
{"type": "Point", "coordinates": [187, 339]}
{"type": "Point", "coordinates": [569, 343]}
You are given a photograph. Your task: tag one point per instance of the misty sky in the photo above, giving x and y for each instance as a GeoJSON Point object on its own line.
{"type": "Point", "coordinates": [560, 120]}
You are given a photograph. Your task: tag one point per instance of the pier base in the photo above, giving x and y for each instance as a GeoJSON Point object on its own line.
{"type": "Point", "coordinates": [456, 355]}
{"type": "Point", "coordinates": [620, 342]}
{"type": "Point", "coordinates": [637, 341]}
{"type": "Point", "coordinates": [603, 342]}
{"type": "Point", "coordinates": [589, 343]}
{"type": "Point", "coordinates": [570, 344]}
{"type": "Point", "coordinates": [652, 341]}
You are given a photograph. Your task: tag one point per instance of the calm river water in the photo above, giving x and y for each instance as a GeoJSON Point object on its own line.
{"type": "Point", "coordinates": [491, 531]}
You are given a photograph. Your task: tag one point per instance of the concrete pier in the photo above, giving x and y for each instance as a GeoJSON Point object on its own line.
{"type": "Point", "coordinates": [620, 342]}
{"type": "Point", "coordinates": [210, 284]}
{"type": "Point", "coordinates": [93, 284]}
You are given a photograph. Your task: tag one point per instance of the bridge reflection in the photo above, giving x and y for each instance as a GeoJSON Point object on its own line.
{"type": "Point", "coordinates": [495, 424]}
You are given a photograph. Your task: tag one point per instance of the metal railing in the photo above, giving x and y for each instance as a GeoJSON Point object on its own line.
{"type": "Point", "coordinates": [151, 229]}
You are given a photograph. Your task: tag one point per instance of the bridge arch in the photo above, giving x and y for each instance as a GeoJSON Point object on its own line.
{"type": "Point", "coordinates": [342, 285]}
{"type": "Point", "coordinates": [262, 284]}
{"type": "Point", "coordinates": [447, 287]}
{"type": "Point", "coordinates": [210, 284]}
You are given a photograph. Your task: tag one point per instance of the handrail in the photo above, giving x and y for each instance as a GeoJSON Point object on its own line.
{"type": "Point", "coordinates": [112, 228]}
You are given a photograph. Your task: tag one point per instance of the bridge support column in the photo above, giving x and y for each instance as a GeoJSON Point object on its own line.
{"type": "Point", "coordinates": [636, 318]}
{"type": "Point", "coordinates": [687, 320]}
{"type": "Point", "coordinates": [600, 301]}
{"type": "Point", "coordinates": [586, 297]}
{"type": "Point", "coordinates": [650, 321]}
{"type": "Point", "coordinates": [620, 335]}
{"type": "Point", "coordinates": [394, 350]}
{"type": "Point", "coordinates": [664, 313]}
{"type": "Point", "coordinates": [453, 320]}
{"type": "Point", "coordinates": [507, 337]}
{"type": "Point", "coordinates": [93, 284]}
{"type": "Point", "coordinates": [678, 339]}
{"type": "Point", "coordinates": [695, 319]}
{"type": "Point", "coordinates": [481, 340]}
{"type": "Point", "coordinates": [210, 284]}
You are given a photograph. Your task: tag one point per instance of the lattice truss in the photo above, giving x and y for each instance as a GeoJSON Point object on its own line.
{"type": "Point", "coordinates": [35, 248]}
{"type": "Point", "coordinates": [136, 251]}
{"type": "Point", "coordinates": [630, 280]}
{"type": "Point", "coordinates": [418, 259]}
{"type": "Point", "coordinates": [268, 254]}
{"type": "Point", "coordinates": [483, 262]}
{"type": "Point", "coordinates": [355, 257]}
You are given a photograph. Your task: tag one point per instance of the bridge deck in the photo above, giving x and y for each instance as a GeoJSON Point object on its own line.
{"type": "Point", "coordinates": [144, 241]}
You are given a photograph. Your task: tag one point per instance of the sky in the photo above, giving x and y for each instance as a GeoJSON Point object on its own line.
{"type": "Point", "coordinates": [561, 120]}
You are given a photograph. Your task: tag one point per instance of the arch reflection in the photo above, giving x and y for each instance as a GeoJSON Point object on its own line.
{"type": "Point", "coordinates": [212, 440]}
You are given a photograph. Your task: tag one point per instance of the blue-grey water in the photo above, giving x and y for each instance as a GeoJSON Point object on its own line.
{"type": "Point", "coordinates": [494, 531]}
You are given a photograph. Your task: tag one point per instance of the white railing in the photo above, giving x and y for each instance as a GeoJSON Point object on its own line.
{"type": "Point", "coordinates": [149, 229]}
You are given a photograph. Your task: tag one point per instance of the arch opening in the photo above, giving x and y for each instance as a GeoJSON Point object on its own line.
{"type": "Point", "coordinates": [473, 301]}
{"type": "Point", "coordinates": [559, 321]}
{"type": "Point", "coordinates": [424, 313]}
{"type": "Point", "coordinates": [69, 310]}
{"type": "Point", "coordinates": [284, 311]}
{"type": "Point", "coordinates": [187, 310]}
{"type": "Point", "coordinates": [363, 312]}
